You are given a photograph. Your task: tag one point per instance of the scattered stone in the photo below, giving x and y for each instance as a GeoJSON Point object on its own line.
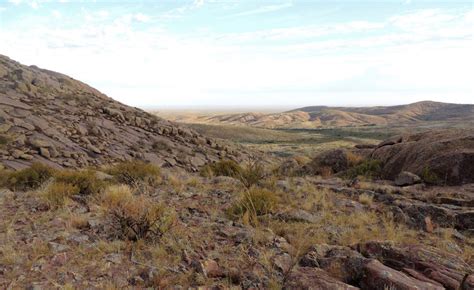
{"type": "Point", "coordinates": [407, 178]}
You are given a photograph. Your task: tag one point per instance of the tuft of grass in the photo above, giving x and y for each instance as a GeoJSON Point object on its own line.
{"type": "Point", "coordinates": [29, 178]}
{"type": "Point", "coordinates": [252, 203]}
{"type": "Point", "coordinates": [222, 168]}
{"type": "Point", "coordinates": [85, 181]}
{"type": "Point", "coordinates": [57, 193]}
{"type": "Point", "coordinates": [353, 159]}
{"type": "Point", "coordinates": [252, 173]}
{"type": "Point", "coordinates": [366, 199]}
{"type": "Point", "coordinates": [136, 173]}
{"type": "Point", "coordinates": [136, 217]}
{"type": "Point", "coordinates": [369, 168]}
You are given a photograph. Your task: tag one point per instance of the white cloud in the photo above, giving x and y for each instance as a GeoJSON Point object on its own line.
{"type": "Point", "coordinates": [16, 2]}
{"type": "Point", "coordinates": [263, 9]}
{"type": "Point", "coordinates": [154, 66]}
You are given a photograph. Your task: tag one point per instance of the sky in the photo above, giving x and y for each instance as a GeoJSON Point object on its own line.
{"type": "Point", "coordinates": [231, 54]}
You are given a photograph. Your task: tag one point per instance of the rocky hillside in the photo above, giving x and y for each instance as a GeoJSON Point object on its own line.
{"type": "Point", "coordinates": [442, 157]}
{"type": "Point", "coordinates": [51, 118]}
{"type": "Point", "coordinates": [322, 116]}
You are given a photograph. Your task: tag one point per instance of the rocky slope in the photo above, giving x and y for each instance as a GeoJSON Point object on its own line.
{"type": "Point", "coordinates": [441, 156]}
{"type": "Point", "coordinates": [51, 118]}
{"type": "Point", "coordinates": [322, 116]}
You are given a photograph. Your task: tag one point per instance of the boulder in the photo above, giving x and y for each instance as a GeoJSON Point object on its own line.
{"type": "Point", "coordinates": [378, 276]}
{"type": "Point", "coordinates": [407, 178]}
{"type": "Point", "coordinates": [437, 156]}
{"type": "Point", "coordinates": [315, 279]}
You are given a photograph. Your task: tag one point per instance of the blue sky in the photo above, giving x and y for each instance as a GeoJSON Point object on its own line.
{"type": "Point", "coordinates": [250, 53]}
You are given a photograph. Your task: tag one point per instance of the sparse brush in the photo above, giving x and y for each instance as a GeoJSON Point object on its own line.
{"type": "Point", "coordinates": [353, 159]}
{"type": "Point", "coordinates": [369, 168]}
{"type": "Point", "coordinates": [136, 217]}
{"type": "Point", "coordinates": [430, 177]}
{"type": "Point", "coordinates": [222, 168]}
{"type": "Point", "coordinates": [29, 178]}
{"type": "Point", "coordinates": [366, 199]}
{"type": "Point", "coordinates": [254, 202]}
{"type": "Point", "coordinates": [86, 181]}
{"type": "Point", "coordinates": [57, 193]}
{"type": "Point", "coordinates": [135, 173]}
{"type": "Point", "coordinates": [252, 173]}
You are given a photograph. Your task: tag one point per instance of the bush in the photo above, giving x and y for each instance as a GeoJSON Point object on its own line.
{"type": "Point", "coordinates": [369, 168]}
{"type": "Point", "coordinates": [136, 217]}
{"type": "Point", "coordinates": [57, 193]}
{"type": "Point", "coordinates": [252, 173]}
{"type": "Point", "coordinates": [4, 140]}
{"type": "Point", "coordinates": [29, 178]}
{"type": "Point", "coordinates": [222, 168]}
{"type": "Point", "coordinates": [254, 202]}
{"type": "Point", "coordinates": [353, 159]}
{"type": "Point", "coordinates": [85, 181]}
{"type": "Point", "coordinates": [135, 173]}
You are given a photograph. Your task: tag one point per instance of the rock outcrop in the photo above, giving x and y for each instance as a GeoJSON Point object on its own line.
{"type": "Point", "coordinates": [438, 157]}
{"type": "Point", "coordinates": [51, 118]}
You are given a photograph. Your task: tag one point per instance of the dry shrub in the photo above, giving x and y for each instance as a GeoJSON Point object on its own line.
{"type": "Point", "coordinates": [369, 168]}
{"type": "Point", "coordinates": [325, 171]}
{"type": "Point", "coordinates": [252, 173]}
{"type": "Point", "coordinates": [353, 159]}
{"type": "Point", "coordinates": [366, 199]}
{"type": "Point", "coordinates": [57, 193]}
{"type": "Point", "coordinates": [86, 181]}
{"type": "Point", "coordinates": [221, 168]}
{"type": "Point", "coordinates": [254, 202]}
{"type": "Point", "coordinates": [29, 178]}
{"type": "Point", "coordinates": [136, 173]}
{"type": "Point", "coordinates": [136, 217]}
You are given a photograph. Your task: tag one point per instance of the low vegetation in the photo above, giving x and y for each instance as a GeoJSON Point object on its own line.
{"type": "Point", "coordinates": [136, 217]}
{"type": "Point", "coordinates": [57, 193]}
{"type": "Point", "coordinates": [135, 173]}
{"type": "Point", "coordinates": [369, 168]}
{"type": "Point", "coordinates": [86, 181]}
{"type": "Point", "coordinates": [252, 203]}
{"type": "Point", "coordinates": [29, 178]}
{"type": "Point", "coordinates": [222, 168]}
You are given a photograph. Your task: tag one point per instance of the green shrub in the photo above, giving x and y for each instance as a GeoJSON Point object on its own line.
{"type": "Point", "coordinates": [369, 168]}
{"type": "Point", "coordinates": [29, 178]}
{"type": "Point", "coordinates": [254, 202]}
{"type": "Point", "coordinates": [135, 173]}
{"type": "Point", "coordinates": [4, 140]}
{"type": "Point", "coordinates": [429, 177]}
{"type": "Point", "coordinates": [57, 193]}
{"type": "Point", "coordinates": [136, 217]}
{"type": "Point", "coordinates": [222, 168]}
{"type": "Point", "coordinates": [85, 181]}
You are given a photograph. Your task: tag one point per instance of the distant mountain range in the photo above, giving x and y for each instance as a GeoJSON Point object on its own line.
{"type": "Point", "coordinates": [322, 116]}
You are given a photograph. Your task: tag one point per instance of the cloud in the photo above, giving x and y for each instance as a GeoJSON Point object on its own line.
{"type": "Point", "coordinates": [263, 9]}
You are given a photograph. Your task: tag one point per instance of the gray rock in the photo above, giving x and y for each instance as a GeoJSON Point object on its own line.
{"type": "Point", "coordinates": [407, 178]}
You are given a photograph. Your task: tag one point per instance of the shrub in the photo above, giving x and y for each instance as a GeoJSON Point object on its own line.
{"type": "Point", "coordinates": [366, 199]}
{"type": "Point", "coordinates": [4, 140]}
{"type": "Point", "coordinates": [369, 168]}
{"type": "Point", "coordinates": [57, 193]}
{"type": "Point", "coordinates": [353, 159]}
{"type": "Point", "coordinates": [135, 173]}
{"type": "Point", "coordinates": [136, 217]}
{"type": "Point", "coordinates": [29, 178]}
{"type": "Point", "coordinates": [252, 173]}
{"type": "Point", "coordinates": [86, 181]}
{"type": "Point", "coordinates": [428, 176]}
{"type": "Point", "coordinates": [222, 168]}
{"type": "Point", "coordinates": [254, 202]}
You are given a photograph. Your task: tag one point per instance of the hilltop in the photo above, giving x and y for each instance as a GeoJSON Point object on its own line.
{"type": "Point", "coordinates": [323, 116]}
{"type": "Point", "coordinates": [51, 118]}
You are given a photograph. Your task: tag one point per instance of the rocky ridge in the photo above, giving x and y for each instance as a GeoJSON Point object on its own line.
{"type": "Point", "coordinates": [51, 118]}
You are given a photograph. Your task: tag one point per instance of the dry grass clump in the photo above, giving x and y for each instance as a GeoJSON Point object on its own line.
{"type": "Point", "coordinates": [252, 173]}
{"type": "Point", "coordinates": [252, 203]}
{"type": "Point", "coordinates": [366, 199]}
{"type": "Point", "coordinates": [136, 217]}
{"type": "Point", "coordinates": [136, 173]}
{"type": "Point", "coordinates": [57, 193]}
{"type": "Point", "coordinates": [353, 159]}
{"type": "Point", "coordinates": [29, 178]}
{"type": "Point", "coordinates": [85, 181]}
{"type": "Point", "coordinates": [369, 168]}
{"type": "Point", "coordinates": [221, 168]}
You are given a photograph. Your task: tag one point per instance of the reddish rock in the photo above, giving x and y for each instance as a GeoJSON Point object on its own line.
{"type": "Point", "coordinates": [314, 279]}
{"type": "Point", "coordinates": [378, 276]}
